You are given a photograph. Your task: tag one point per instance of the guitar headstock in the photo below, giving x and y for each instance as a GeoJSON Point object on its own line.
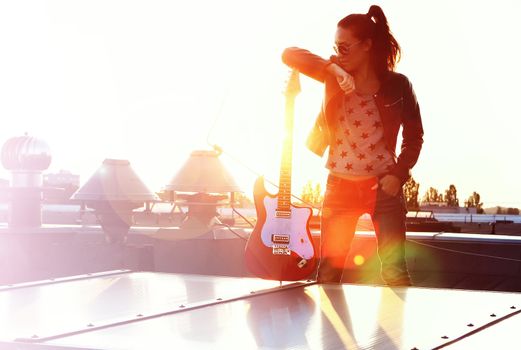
{"type": "Point", "coordinates": [293, 84]}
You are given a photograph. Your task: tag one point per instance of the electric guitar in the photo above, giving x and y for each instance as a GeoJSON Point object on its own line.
{"type": "Point", "coordinates": [280, 246]}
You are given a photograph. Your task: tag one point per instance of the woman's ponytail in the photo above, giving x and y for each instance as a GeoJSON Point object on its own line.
{"type": "Point", "coordinates": [374, 26]}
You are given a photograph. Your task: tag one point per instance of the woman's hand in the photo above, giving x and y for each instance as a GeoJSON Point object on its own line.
{"type": "Point", "coordinates": [390, 184]}
{"type": "Point", "coordinates": [344, 79]}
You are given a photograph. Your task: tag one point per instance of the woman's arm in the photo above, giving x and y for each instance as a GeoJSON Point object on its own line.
{"type": "Point", "coordinates": [316, 67]}
{"type": "Point", "coordinates": [412, 134]}
{"type": "Point", "coordinates": [306, 62]}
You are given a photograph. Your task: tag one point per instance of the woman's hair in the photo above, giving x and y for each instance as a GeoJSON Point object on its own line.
{"type": "Point", "coordinates": [374, 26]}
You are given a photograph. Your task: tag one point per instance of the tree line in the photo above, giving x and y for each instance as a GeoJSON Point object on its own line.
{"type": "Point", "coordinates": [432, 196]}
{"type": "Point", "coordinates": [312, 194]}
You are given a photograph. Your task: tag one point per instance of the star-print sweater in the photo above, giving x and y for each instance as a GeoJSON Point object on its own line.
{"type": "Point", "coordinates": [358, 148]}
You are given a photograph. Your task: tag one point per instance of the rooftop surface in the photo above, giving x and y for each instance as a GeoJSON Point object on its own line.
{"type": "Point", "coordinates": [144, 310]}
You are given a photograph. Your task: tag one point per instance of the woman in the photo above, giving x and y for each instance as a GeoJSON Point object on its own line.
{"type": "Point", "coordinates": [365, 104]}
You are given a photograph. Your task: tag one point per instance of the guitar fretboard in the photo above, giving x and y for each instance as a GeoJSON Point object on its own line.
{"type": "Point", "coordinates": [284, 196]}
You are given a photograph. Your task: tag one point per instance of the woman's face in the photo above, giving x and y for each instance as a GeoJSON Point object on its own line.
{"type": "Point", "coordinates": [352, 52]}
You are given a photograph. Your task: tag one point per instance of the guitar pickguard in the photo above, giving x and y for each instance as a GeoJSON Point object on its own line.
{"type": "Point", "coordinates": [293, 229]}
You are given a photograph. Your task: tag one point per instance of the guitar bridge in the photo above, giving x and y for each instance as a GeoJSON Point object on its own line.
{"type": "Point", "coordinates": [281, 249]}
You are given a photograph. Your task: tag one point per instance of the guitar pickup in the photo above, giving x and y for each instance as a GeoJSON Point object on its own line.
{"type": "Point", "coordinates": [280, 239]}
{"type": "Point", "coordinates": [283, 214]}
{"type": "Point", "coordinates": [281, 250]}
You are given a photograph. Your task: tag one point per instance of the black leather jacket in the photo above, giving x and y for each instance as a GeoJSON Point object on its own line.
{"type": "Point", "coordinates": [395, 100]}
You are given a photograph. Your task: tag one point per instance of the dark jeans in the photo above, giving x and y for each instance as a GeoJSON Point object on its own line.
{"type": "Point", "coordinates": [344, 202]}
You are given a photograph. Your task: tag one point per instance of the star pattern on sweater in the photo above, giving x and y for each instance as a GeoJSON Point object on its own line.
{"type": "Point", "coordinates": [363, 103]}
{"type": "Point", "coordinates": [357, 145]}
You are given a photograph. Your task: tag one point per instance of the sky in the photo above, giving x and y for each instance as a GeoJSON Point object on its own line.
{"type": "Point", "coordinates": [151, 81]}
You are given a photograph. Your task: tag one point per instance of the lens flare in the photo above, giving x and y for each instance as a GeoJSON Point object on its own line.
{"type": "Point", "coordinates": [359, 260]}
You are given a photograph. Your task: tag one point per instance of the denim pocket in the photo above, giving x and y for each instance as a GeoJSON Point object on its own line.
{"type": "Point", "coordinates": [386, 203]}
{"type": "Point", "coordinates": [340, 194]}
{"type": "Point", "coordinates": [382, 194]}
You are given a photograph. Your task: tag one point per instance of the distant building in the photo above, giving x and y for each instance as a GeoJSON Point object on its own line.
{"type": "Point", "coordinates": [441, 207]}
{"type": "Point", "coordinates": [62, 179]}
{"type": "Point", "coordinates": [59, 187]}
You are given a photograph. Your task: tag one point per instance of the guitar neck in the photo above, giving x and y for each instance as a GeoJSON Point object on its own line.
{"type": "Point", "coordinates": [284, 197]}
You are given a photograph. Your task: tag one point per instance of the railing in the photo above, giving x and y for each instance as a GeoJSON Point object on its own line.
{"type": "Point", "coordinates": [478, 218]}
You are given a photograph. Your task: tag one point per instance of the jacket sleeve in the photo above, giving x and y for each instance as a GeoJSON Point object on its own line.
{"type": "Point", "coordinates": [306, 62]}
{"type": "Point", "coordinates": [317, 140]}
{"type": "Point", "coordinates": [412, 135]}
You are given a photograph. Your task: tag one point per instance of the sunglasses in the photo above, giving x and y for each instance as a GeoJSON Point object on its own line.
{"type": "Point", "coordinates": [342, 49]}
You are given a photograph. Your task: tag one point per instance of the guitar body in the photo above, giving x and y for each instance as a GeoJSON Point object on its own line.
{"type": "Point", "coordinates": [279, 248]}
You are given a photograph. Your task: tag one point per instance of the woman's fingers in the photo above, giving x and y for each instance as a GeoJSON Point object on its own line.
{"type": "Point", "coordinates": [346, 82]}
